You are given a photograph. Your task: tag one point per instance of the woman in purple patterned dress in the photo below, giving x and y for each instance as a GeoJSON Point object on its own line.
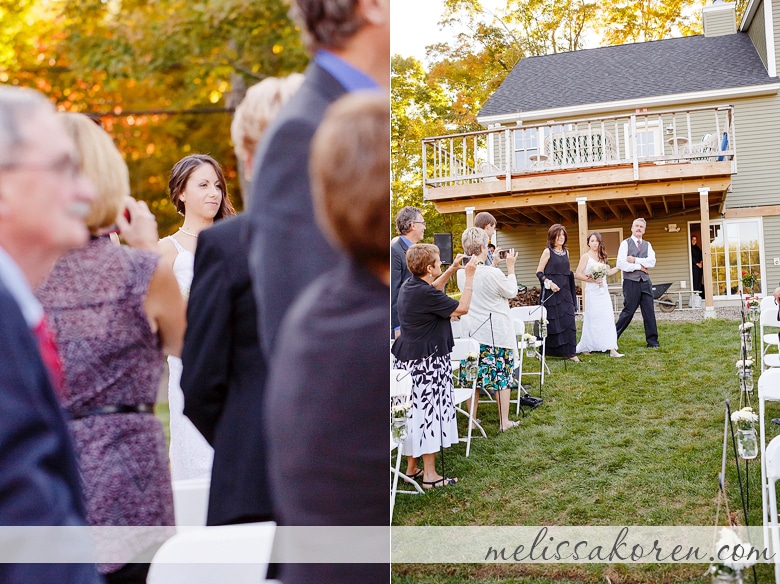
{"type": "Point", "coordinates": [114, 311]}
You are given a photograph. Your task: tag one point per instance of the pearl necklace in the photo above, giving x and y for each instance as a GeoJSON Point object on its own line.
{"type": "Point", "coordinates": [185, 232]}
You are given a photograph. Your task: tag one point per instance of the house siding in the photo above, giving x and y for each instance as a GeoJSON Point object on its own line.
{"type": "Point", "coordinates": [719, 22]}
{"type": "Point", "coordinates": [775, 27]}
{"type": "Point", "coordinates": [757, 33]}
{"type": "Point", "coordinates": [758, 161]}
{"type": "Point", "coordinates": [771, 251]}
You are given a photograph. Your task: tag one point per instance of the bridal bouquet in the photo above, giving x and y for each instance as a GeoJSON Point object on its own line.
{"type": "Point", "coordinates": [597, 270]}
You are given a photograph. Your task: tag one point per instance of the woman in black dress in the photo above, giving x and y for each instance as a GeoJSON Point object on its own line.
{"type": "Point", "coordinates": [697, 269]}
{"type": "Point", "coordinates": [558, 295]}
{"type": "Point", "coordinates": [423, 348]}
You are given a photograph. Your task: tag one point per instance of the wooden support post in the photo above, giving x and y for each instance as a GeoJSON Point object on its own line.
{"type": "Point", "coordinates": [582, 216]}
{"type": "Point", "coordinates": [469, 217]}
{"type": "Point", "coordinates": [704, 208]}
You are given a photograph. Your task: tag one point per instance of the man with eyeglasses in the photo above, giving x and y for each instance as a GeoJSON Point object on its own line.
{"type": "Point", "coordinates": [411, 229]}
{"type": "Point", "coordinates": [44, 200]}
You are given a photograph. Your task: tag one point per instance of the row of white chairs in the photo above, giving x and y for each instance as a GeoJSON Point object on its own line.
{"type": "Point", "coordinates": [769, 327]}
{"type": "Point", "coordinates": [769, 391]}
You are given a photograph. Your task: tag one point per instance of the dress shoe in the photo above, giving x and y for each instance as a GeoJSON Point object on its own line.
{"type": "Point", "coordinates": [616, 354]}
{"type": "Point", "coordinates": [653, 346]}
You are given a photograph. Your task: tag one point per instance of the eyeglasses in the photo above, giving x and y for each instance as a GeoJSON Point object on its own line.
{"type": "Point", "coordinates": [66, 166]}
{"type": "Point", "coordinates": [423, 222]}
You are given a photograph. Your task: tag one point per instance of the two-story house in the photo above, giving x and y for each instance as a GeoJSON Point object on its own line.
{"type": "Point", "coordinates": [684, 132]}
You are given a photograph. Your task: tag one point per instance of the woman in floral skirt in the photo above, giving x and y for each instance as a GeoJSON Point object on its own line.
{"type": "Point", "coordinates": [490, 323]}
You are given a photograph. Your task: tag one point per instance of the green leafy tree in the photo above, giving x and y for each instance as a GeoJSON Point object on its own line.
{"type": "Point", "coordinates": [164, 75]}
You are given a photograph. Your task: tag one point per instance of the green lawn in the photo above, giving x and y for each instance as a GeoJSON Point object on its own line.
{"type": "Point", "coordinates": [632, 441]}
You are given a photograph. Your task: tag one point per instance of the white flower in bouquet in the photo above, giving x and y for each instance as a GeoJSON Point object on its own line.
{"type": "Point", "coordinates": [527, 337]}
{"type": "Point", "coordinates": [472, 356]}
{"type": "Point", "coordinates": [746, 326]}
{"type": "Point", "coordinates": [597, 270]}
{"type": "Point", "coordinates": [744, 364]}
{"type": "Point", "coordinates": [732, 554]}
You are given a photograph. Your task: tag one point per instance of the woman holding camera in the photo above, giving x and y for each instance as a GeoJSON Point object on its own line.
{"type": "Point", "coordinates": [489, 322]}
{"type": "Point", "coordinates": [424, 348]}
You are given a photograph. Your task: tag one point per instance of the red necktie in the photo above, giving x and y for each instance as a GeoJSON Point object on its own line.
{"type": "Point", "coordinates": [50, 354]}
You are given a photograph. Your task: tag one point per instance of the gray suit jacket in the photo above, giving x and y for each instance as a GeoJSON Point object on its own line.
{"type": "Point", "coordinates": [398, 274]}
{"type": "Point", "coordinates": [281, 213]}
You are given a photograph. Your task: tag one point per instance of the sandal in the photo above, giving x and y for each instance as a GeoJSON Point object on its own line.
{"type": "Point", "coordinates": [442, 482]}
{"type": "Point", "coordinates": [514, 424]}
{"type": "Point", "coordinates": [416, 475]}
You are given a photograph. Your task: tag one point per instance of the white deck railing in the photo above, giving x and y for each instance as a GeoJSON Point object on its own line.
{"type": "Point", "coordinates": [664, 137]}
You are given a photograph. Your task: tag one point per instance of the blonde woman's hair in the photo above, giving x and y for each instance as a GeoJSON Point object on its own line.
{"type": "Point", "coordinates": [102, 163]}
{"type": "Point", "coordinates": [259, 107]}
{"type": "Point", "coordinates": [473, 240]}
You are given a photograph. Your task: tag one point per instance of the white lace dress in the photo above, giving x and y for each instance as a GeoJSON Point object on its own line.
{"type": "Point", "coordinates": [598, 325]}
{"type": "Point", "coordinates": [191, 455]}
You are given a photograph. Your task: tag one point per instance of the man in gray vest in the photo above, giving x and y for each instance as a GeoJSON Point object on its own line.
{"type": "Point", "coordinates": [635, 258]}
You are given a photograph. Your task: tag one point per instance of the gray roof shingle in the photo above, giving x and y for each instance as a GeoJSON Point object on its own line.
{"type": "Point", "coordinates": [635, 71]}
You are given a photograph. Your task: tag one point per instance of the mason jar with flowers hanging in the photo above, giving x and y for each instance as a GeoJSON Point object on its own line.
{"type": "Point", "coordinates": [471, 366]}
{"type": "Point", "coordinates": [753, 304]}
{"type": "Point", "coordinates": [745, 331]}
{"type": "Point", "coordinates": [747, 443]}
{"type": "Point", "coordinates": [742, 555]}
{"type": "Point", "coordinates": [543, 328]}
{"type": "Point", "coordinates": [745, 374]}
{"type": "Point", "coordinates": [529, 341]}
{"type": "Point", "coordinates": [399, 421]}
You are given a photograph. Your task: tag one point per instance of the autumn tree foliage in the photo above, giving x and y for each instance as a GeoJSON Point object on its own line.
{"type": "Point", "coordinates": [163, 74]}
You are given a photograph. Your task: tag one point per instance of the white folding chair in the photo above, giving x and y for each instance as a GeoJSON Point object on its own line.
{"type": "Point", "coordinates": [769, 326]}
{"type": "Point", "coordinates": [400, 392]}
{"type": "Point", "coordinates": [772, 464]}
{"type": "Point", "coordinates": [767, 302]}
{"type": "Point", "coordinates": [768, 390]}
{"type": "Point", "coordinates": [460, 394]}
{"type": "Point", "coordinates": [238, 554]}
{"type": "Point", "coordinates": [191, 501]}
{"type": "Point", "coordinates": [531, 314]}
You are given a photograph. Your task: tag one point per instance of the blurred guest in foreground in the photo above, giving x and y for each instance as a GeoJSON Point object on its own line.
{"type": "Point", "coordinates": [333, 346]}
{"type": "Point", "coordinates": [114, 311]}
{"type": "Point", "coordinates": [197, 190]}
{"type": "Point", "coordinates": [350, 43]}
{"type": "Point", "coordinates": [224, 372]}
{"type": "Point", "coordinates": [44, 199]}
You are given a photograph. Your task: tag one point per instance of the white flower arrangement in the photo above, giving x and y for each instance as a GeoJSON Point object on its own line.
{"type": "Point", "coordinates": [745, 415]}
{"type": "Point", "coordinates": [401, 410]}
{"type": "Point", "coordinates": [729, 544]}
{"type": "Point", "coordinates": [744, 364]}
{"type": "Point", "coordinates": [752, 301]}
{"type": "Point", "coordinates": [746, 326]}
{"type": "Point", "coordinates": [597, 270]}
{"type": "Point", "coordinates": [528, 337]}
{"type": "Point", "coordinates": [548, 284]}
{"type": "Point", "coordinates": [472, 356]}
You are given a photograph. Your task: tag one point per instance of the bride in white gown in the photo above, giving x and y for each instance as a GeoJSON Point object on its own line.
{"type": "Point", "coordinates": [598, 325]}
{"type": "Point", "coordinates": [197, 190]}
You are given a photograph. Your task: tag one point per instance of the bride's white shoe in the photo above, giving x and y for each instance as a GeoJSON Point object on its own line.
{"type": "Point", "coordinates": [614, 353]}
